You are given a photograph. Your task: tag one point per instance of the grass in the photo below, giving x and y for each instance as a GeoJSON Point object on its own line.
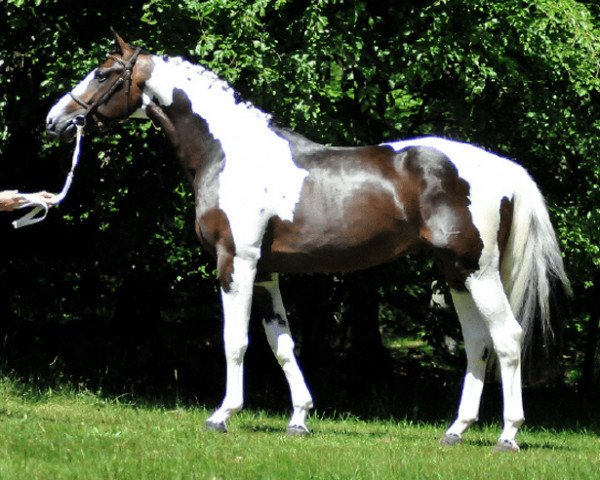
{"type": "Point", "coordinates": [80, 435]}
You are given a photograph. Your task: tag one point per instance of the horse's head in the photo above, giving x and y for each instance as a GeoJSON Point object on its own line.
{"type": "Point", "coordinates": [109, 93]}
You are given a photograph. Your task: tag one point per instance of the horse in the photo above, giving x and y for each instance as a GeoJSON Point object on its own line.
{"type": "Point", "coordinates": [270, 201]}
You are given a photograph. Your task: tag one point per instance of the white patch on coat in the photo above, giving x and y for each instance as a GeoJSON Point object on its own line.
{"type": "Point", "coordinates": [59, 108]}
{"type": "Point", "coordinates": [259, 179]}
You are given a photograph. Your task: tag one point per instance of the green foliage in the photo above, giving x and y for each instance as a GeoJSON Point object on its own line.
{"type": "Point", "coordinates": [519, 78]}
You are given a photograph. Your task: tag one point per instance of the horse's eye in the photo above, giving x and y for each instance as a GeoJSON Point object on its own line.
{"type": "Point", "coordinates": [100, 76]}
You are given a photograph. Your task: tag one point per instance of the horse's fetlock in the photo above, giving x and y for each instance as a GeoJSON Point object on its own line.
{"type": "Point", "coordinates": [515, 421]}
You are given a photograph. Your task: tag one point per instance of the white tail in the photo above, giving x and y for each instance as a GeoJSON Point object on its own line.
{"type": "Point", "coordinates": [532, 260]}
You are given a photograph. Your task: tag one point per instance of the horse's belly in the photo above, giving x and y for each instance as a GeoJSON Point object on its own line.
{"type": "Point", "coordinates": [351, 242]}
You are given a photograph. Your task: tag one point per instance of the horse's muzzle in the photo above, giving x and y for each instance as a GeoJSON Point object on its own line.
{"type": "Point", "coordinates": [64, 130]}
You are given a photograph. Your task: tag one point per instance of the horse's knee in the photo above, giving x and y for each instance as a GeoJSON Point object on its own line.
{"type": "Point", "coordinates": [235, 350]}
{"type": "Point", "coordinates": [280, 340]}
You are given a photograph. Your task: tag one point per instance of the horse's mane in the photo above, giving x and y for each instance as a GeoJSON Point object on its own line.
{"type": "Point", "coordinates": [225, 110]}
{"type": "Point", "coordinates": [204, 74]}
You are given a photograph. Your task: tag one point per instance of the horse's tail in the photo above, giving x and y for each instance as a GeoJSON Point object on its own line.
{"type": "Point", "coordinates": [532, 265]}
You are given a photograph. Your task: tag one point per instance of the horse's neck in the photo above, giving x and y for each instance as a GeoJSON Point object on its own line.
{"type": "Point", "coordinates": [204, 119]}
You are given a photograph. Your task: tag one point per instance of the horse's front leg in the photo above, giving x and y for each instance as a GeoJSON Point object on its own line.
{"type": "Point", "coordinates": [276, 327]}
{"type": "Point", "coordinates": [236, 294]}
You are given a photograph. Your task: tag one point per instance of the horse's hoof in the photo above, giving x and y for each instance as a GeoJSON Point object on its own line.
{"type": "Point", "coordinates": [215, 426]}
{"type": "Point", "coordinates": [450, 439]}
{"type": "Point", "coordinates": [506, 446]}
{"type": "Point", "coordinates": [296, 431]}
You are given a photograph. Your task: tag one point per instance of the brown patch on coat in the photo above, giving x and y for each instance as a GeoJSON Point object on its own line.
{"type": "Point", "coordinates": [214, 231]}
{"type": "Point", "coordinates": [349, 216]}
{"type": "Point", "coordinates": [506, 217]}
{"type": "Point", "coordinates": [361, 207]}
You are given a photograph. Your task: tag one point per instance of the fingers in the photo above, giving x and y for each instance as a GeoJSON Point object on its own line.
{"type": "Point", "coordinates": [44, 196]}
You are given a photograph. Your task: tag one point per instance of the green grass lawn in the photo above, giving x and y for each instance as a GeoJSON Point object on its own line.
{"type": "Point", "coordinates": [70, 435]}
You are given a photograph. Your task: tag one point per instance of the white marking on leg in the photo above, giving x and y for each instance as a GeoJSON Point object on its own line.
{"type": "Point", "coordinates": [282, 344]}
{"type": "Point", "coordinates": [236, 308]}
{"type": "Point", "coordinates": [477, 340]}
{"type": "Point", "coordinates": [490, 298]}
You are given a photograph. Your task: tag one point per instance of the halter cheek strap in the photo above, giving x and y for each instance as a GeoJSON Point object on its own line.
{"type": "Point", "coordinates": [127, 69]}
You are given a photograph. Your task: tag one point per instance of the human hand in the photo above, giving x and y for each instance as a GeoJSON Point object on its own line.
{"type": "Point", "coordinates": [11, 199]}
{"type": "Point", "coordinates": [44, 196]}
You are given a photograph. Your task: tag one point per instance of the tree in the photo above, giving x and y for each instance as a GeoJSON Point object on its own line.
{"type": "Point", "coordinates": [518, 78]}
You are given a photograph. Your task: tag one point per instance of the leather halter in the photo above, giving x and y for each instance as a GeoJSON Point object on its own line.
{"type": "Point", "coordinates": [125, 78]}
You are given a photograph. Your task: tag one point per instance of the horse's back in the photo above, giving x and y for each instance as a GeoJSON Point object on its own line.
{"type": "Point", "coordinates": [497, 177]}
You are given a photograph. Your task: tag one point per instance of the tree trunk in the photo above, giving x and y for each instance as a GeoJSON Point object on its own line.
{"type": "Point", "coordinates": [367, 356]}
{"type": "Point", "coordinates": [591, 346]}
{"type": "Point", "coordinates": [313, 319]}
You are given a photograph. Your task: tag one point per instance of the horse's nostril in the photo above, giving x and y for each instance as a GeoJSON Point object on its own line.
{"type": "Point", "coordinates": [50, 126]}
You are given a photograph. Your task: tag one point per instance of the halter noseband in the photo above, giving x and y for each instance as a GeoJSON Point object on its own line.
{"type": "Point", "coordinates": [127, 69]}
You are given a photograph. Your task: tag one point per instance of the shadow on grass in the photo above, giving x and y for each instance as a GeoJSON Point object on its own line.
{"type": "Point", "coordinates": [525, 446]}
{"type": "Point", "coordinates": [417, 392]}
{"type": "Point", "coordinates": [248, 427]}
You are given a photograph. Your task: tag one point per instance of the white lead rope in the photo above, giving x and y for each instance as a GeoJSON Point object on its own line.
{"type": "Point", "coordinates": [41, 206]}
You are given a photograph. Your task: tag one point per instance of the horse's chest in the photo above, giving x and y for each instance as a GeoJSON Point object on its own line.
{"type": "Point", "coordinates": [253, 190]}
{"type": "Point", "coordinates": [234, 208]}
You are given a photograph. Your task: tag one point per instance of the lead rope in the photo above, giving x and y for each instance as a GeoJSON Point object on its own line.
{"type": "Point", "coordinates": [38, 205]}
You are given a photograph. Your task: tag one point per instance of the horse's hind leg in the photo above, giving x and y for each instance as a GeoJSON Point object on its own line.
{"type": "Point", "coordinates": [506, 333]}
{"type": "Point", "coordinates": [478, 345]}
{"type": "Point", "coordinates": [276, 326]}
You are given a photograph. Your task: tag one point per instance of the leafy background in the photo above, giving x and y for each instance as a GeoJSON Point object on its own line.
{"type": "Point", "coordinates": [113, 292]}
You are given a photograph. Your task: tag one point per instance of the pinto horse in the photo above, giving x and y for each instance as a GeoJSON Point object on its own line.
{"type": "Point", "coordinates": [269, 201]}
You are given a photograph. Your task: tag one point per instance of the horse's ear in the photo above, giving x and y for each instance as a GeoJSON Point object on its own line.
{"type": "Point", "coordinates": [122, 44]}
